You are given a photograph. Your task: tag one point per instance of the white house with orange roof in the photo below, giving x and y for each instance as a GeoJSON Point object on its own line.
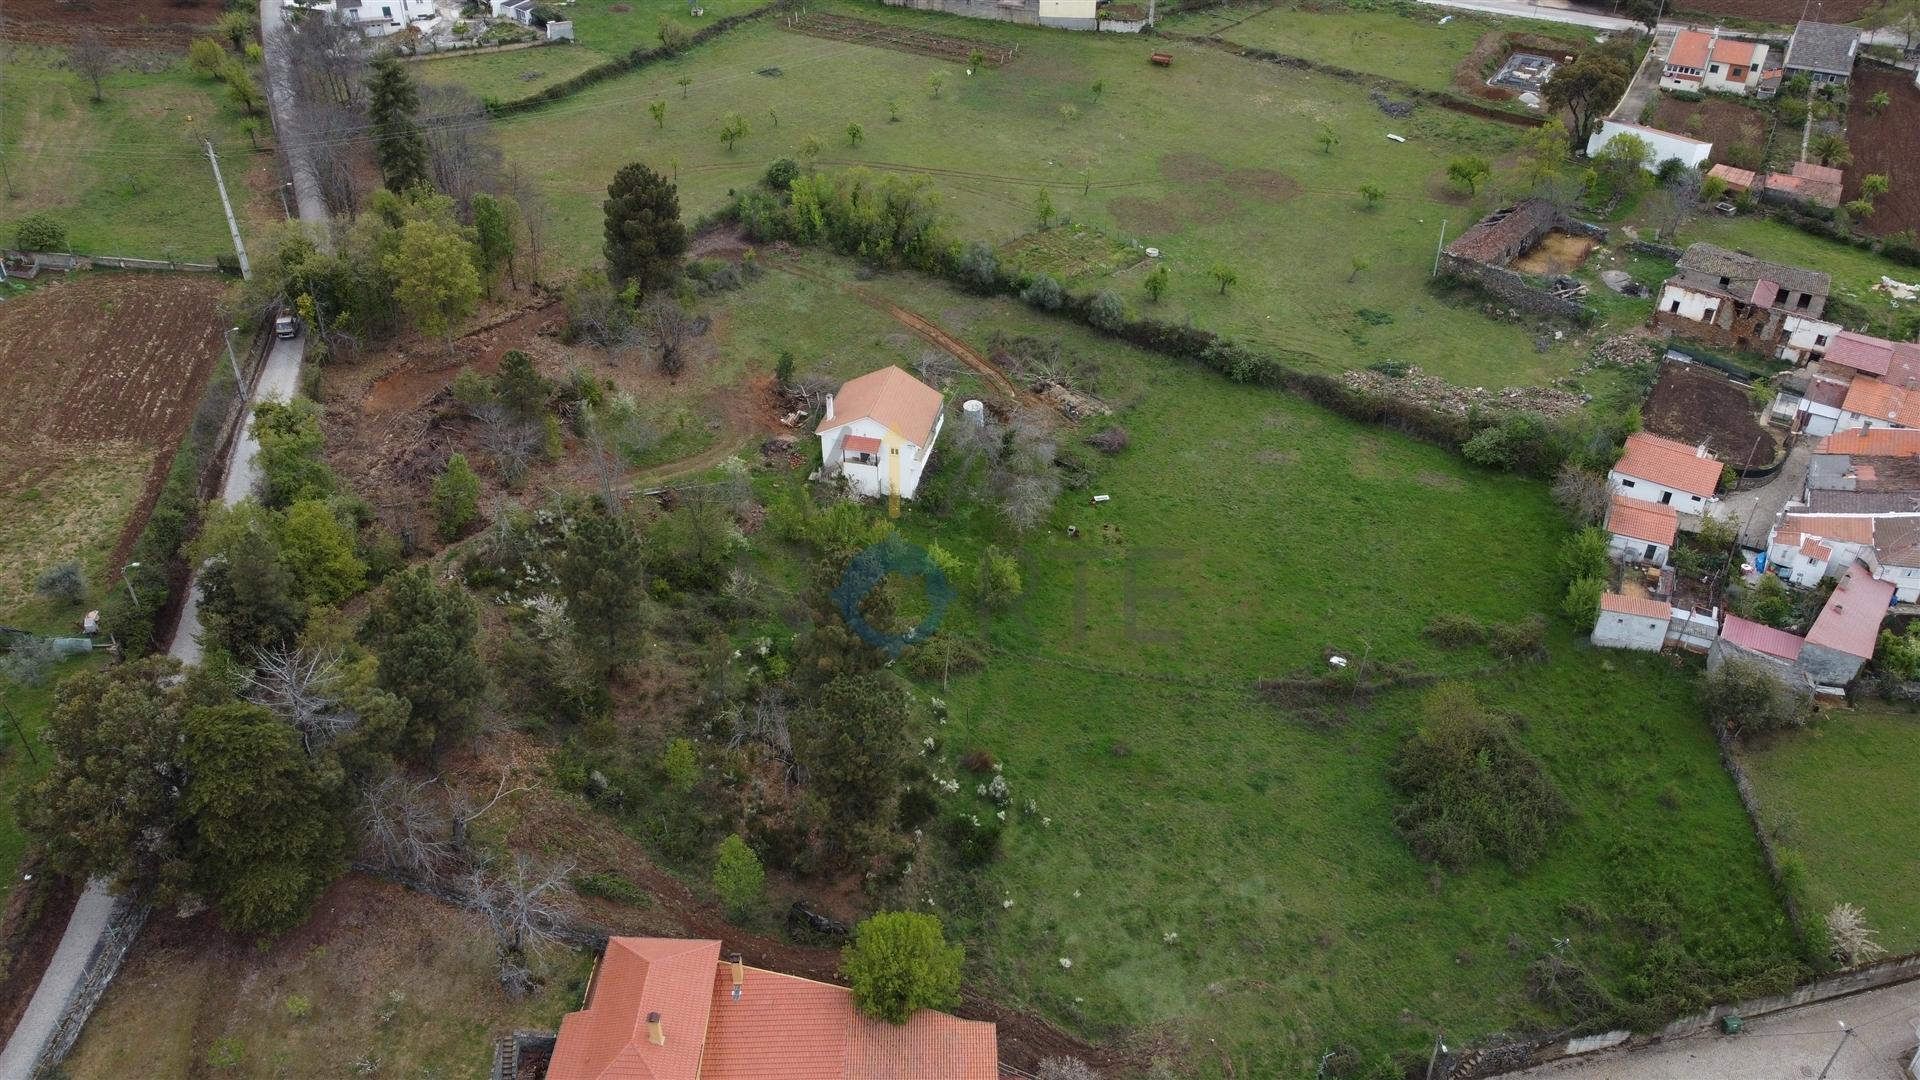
{"type": "Point", "coordinates": [1700, 61]}
{"type": "Point", "coordinates": [1667, 473]}
{"type": "Point", "coordinates": [1641, 531]}
{"type": "Point", "coordinates": [1632, 622]}
{"type": "Point", "coordinates": [672, 1009]}
{"type": "Point", "coordinates": [879, 431]}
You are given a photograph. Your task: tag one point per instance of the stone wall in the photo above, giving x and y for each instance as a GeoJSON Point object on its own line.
{"type": "Point", "coordinates": [1512, 289]}
{"type": "Point", "coordinates": [1747, 328]}
{"type": "Point", "coordinates": [1829, 667]}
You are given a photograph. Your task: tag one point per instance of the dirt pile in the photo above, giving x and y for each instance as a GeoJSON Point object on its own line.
{"type": "Point", "coordinates": [1437, 393]}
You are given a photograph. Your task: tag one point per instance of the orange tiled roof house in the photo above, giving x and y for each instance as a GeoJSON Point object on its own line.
{"type": "Point", "coordinates": [672, 1009]}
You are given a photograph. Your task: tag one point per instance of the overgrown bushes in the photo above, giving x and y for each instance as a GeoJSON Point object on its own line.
{"type": "Point", "coordinates": [1469, 790]}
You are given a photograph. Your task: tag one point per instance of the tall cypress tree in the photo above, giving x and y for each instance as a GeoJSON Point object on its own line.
{"type": "Point", "coordinates": [645, 238]}
{"type": "Point", "coordinates": [392, 101]}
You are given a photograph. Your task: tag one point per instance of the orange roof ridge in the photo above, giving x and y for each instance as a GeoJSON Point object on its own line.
{"type": "Point", "coordinates": [891, 398]}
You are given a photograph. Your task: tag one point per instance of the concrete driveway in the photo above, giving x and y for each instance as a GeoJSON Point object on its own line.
{"type": "Point", "coordinates": [1786, 1045]}
{"type": "Point", "coordinates": [1756, 510]}
{"type": "Point", "coordinates": [1646, 81]}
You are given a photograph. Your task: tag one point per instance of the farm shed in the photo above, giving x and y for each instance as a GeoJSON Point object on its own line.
{"type": "Point", "coordinates": [1666, 144]}
{"type": "Point", "coordinates": [1733, 300]}
{"type": "Point", "coordinates": [1742, 639]}
{"type": "Point", "coordinates": [1631, 622]}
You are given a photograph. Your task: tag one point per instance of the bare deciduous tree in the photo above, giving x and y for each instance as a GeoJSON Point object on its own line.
{"type": "Point", "coordinates": [524, 905]}
{"type": "Point", "coordinates": [668, 326]}
{"type": "Point", "coordinates": [616, 433]}
{"type": "Point", "coordinates": [466, 809]}
{"type": "Point", "coordinates": [1676, 202]}
{"type": "Point", "coordinates": [302, 687]}
{"type": "Point", "coordinates": [328, 60]}
{"type": "Point", "coordinates": [463, 155]}
{"type": "Point", "coordinates": [532, 217]}
{"type": "Point", "coordinates": [91, 59]}
{"type": "Point", "coordinates": [335, 141]}
{"type": "Point", "coordinates": [510, 442]}
{"type": "Point", "coordinates": [403, 827]}
{"type": "Point", "coordinates": [1582, 495]}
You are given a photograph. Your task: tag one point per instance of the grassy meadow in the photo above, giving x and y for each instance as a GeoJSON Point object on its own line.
{"type": "Point", "coordinates": [505, 76]}
{"type": "Point", "coordinates": [1813, 785]}
{"type": "Point", "coordinates": [126, 175]}
{"type": "Point", "coordinates": [1218, 866]}
{"type": "Point", "coordinates": [1213, 161]}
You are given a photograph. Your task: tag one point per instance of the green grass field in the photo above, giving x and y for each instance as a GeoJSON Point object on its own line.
{"type": "Point", "coordinates": [125, 175]}
{"type": "Point", "coordinates": [1247, 532]}
{"type": "Point", "coordinates": [1411, 47]}
{"type": "Point", "coordinates": [1247, 187]}
{"type": "Point", "coordinates": [506, 76]}
{"type": "Point", "coordinates": [617, 27]}
{"type": "Point", "coordinates": [1837, 797]}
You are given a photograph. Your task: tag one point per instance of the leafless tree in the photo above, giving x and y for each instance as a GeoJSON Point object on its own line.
{"type": "Point", "coordinates": [1676, 202]}
{"type": "Point", "coordinates": [328, 60]}
{"type": "Point", "coordinates": [532, 217]}
{"type": "Point", "coordinates": [1009, 464]}
{"type": "Point", "coordinates": [616, 433]}
{"type": "Point", "coordinates": [302, 688]}
{"type": "Point", "coordinates": [668, 326]}
{"type": "Point", "coordinates": [335, 140]}
{"type": "Point", "coordinates": [463, 155]}
{"type": "Point", "coordinates": [765, 722]}
{"type": "Point", "coordinates": [92, 59]}
{"type": "Point", "coordinates": [1582, 495]}
{"type": "Point", "coordinates": [403, 826]}
{"type": "Point", "coordinates": [509, 440]}
{"type": "Point", "coordinates": [1066, 1068]}
{"type": "Point", "coordinates": [467, 809]}
{"type": "Point", "coordinates": [813, 388]}
{"type": "Point", "coordinates": [524, 904]}
{"type": "Point", "coordinates": [936, 368]}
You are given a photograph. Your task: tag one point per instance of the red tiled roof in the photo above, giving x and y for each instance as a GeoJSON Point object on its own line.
{"type": "Point", "coordinates": [1737, 179]}
{"type": "Point", "coordinates": [1642, 520]}
{"type": "Point", "coordinates": [1846, 530]}
{"type": "Point", "coordinates": [1826, 392]}
{"type": "Point", "coordinates": [861, 444]}
{"type": "Point", "coordinates": [798, 1029]}
{"type": "Point", "coordinates": [892, 397]}
{"type": "Point", "coordinates": [1872, 442]}
{"type": "Point", "coordinates": [1823, 192]}
{"type": "Point", "coordinates": [1669, 464]}
{"type": "Point", "coordinates": [1764, 291]}
{"type": "Point", "coordinates": [1814, 549]}
{"type": "Point", "coordinates": [1819, 174]}
{"type": "Point", "coordinates": [1645, 607]}
{"type": "Point", "coordinates": [1862, 353]}
{"type": "Point", "coordinates": [1881, 401]}
{"type": "Point", "coordinates": [1733, 51]}
{"type": "Point", "coordinates": [1850, 623]}
{"type": "Point", "coordinates": [1761, 639]}
{"type": "Point", "coordinates": [1689, 50]}
{"type": "Point", "coordinates": [781, 1026]}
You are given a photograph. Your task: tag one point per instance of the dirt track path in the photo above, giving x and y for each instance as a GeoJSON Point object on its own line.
{"type": "Point", "coordinates": [927, 330]}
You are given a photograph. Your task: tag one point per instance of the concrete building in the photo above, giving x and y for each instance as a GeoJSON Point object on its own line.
{"type": "Point", "coordinates": [1823, 52]}
{"type": "Point", "coordinates": [1700, 61]}
{"type": "Point", "coordinates": [1631, 622]}
{"type": "Point", "coordinates": [1817, 185]}
{"type": "Point", "coordinates": [1692, 152]}
{"type": "Point", "coordinates": [1809, 401]}
{"type": "Point", "coordinates": [879, 431]}
{"type": "Point", "coordinates": [1776, 650]}
{"type": "Point", "coordinates": [1641, 531]}
{"type": "Point", "coordinates": [1667, 473]}
{"type": "Point", "coordinates": [1843, 637]}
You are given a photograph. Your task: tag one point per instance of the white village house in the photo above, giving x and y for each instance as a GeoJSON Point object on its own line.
{"type": "Point", "coordinates": [374, 18]}
{"type": "Point", "coordinates": [1632, 622]}
{"type": "Point", "coordinates": [879, 431]}
{"type": "Point", "coordinates": [1666, 144]}
{"type": "Point", "coordinates": [1640, 531]}
{"type": "Point", "coordinates": [1666, 472]}
{"type": "Point", "coordinates": [1701, 61]}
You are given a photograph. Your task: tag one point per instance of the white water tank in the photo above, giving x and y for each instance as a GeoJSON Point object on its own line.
{"type": "Point", "coordinates": [974, 411]}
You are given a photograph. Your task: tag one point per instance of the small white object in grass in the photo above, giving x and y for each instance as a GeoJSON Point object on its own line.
{"type": "Point", "coordinates": [1444, 21]}
{"type": "Point", "coordinates": [1396, 138]}
{"type": "Point", "coordinates": [1153, 253]}
{"type": "Point", "coordinates": [1337, 661]}
{"type": "Point", "coordinates": [1065, 963]}
{"type": "Point", "coordinates": [1102, 498]}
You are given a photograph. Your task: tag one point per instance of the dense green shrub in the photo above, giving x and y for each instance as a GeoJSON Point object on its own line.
{"type": "Point", "coordinates": [781, 173]}
{"type": "Point", "coordinates": [1746, 696]}
{"type": "Point", "coordinates": [1469, 790]}
{"type": "Point", "coordinates": [899, 963]}
{"type": "Point", "coordinates": [38, 232]}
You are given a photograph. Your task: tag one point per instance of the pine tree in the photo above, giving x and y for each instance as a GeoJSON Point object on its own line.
{"type": "Point", "coordinates": [601, 577]}
{"type": "Point", "coordinates": [492, 239]}
{"type": "Point", "coordinates": [249, 601]}
{"type": "Point", "coordinates": [426, 638]}
{"type": "Point", "coordinates": [392, 101]}
{"type": "Point", "coordinates": [644, 236]}
{"type": "Point", "coordinates": [456, 497]}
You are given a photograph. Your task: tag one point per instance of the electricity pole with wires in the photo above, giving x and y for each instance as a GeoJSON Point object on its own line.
{"type": "Point", "coordinates": [239, 247]}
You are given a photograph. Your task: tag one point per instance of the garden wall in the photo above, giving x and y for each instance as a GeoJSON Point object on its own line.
{"type": "Point", "coordinates": [1512, 289]}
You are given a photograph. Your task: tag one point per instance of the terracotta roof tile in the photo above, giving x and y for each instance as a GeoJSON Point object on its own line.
{"type": "Point", "coordinates": [1872, 442]}
{"type": "Point", "coordinates": [1850, 623]}
{"type": "Point", "coordinates": [1733, 51]}
{"type": "Point", "coordinates": [1761, 639]}
{"type": "Point", "coordinates": [1846, 530]}
{"type": "Point", "coordinates": [860, 444]}
{"type": "Point", "coordinates": [1737, 179]}
{"type": "Point", "coordinates": [1873, 398]}
{"type": "Point", "coordinates": [1642, 606]}
{"type": "Point", "coordinates": [1642, 520]}
{"type": "Point", "coordinates": [892, 397]}
{"type": "Point", "coordinates": [1669, 464]}
{"type": "Point", "coordinates": [608, 1040]}
{"type": "Point", "coordinates": [1819, 174]}
{"type": "Point", "coordinates": [1689, 50]}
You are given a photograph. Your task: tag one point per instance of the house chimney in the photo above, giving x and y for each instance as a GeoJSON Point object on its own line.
{"type": "Point", "coordinates": [739, 976]}
{"type": "Point", "coordinates": [655, 1033]}
{"type": "Point", "coordinates": [829, 408]}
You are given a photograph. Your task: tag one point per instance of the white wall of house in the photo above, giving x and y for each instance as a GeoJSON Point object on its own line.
{"type": "Point", "coordinates": [872, 475]}
{"type": "Point", "coordinates": [1665, 144]}
{"type": "Point", "coordinates": [1806, 339]}
{"type": "Point", "coordinates": [1690, 304]}
{"type": "Point", "coordinates": [1619, 630]}
{"type": "Point", "coordinates": [1851, 420]}
{"type": "Point", "coordinates": [1634, 550]}
{"type": "Point", "coordinates": [1729, 79]}
{"type": "Point", "coordinates": [1634, 487]}
{"type": "Point", "coordinates": [378, 18]}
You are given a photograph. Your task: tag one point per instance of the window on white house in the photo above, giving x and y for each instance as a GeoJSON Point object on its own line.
{"type": "Point", "coordinates": [1626, 483]}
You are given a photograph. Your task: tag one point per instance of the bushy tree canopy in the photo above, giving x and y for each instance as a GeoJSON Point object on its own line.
{"type": "Point", "coordinates": [900, 962]}
{"type": "Point", "coordinates": [644, 236]}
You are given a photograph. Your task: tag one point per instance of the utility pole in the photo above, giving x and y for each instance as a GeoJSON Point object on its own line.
{"type": "Point", "coordinates": [1845, 1034]}
{"type": "Point", "coordinates": [239, 248]}
{"type": "Point", "coordinates": [1439, 246]}
{"type": "Point", "coordinates": [1439, 1047]}
{"type": "Point", "coordinates": [238, 379]}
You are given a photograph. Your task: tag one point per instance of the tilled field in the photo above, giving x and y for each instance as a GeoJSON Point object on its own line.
{"type": "Point", "coordinates": [1888, 144]}
{"type": "Point", "coordinates": [902, 38]}
{"type": "Point", "coordinates": [124, 24]}
{"type": "Point", "coordinates": [105, 358]}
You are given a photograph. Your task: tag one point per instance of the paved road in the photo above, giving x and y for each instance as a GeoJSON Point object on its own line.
{"type": "Point", "coordinates": [1756, 510]}
{"type": "Point", "coordinates": [279, 379]}
{"type": "Point", "coordinates": [1647, 79]}
{"type": "Point", "coordinates": [1790, 1044]}
{"type": "Point", "coordinates": [1549, 11]}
